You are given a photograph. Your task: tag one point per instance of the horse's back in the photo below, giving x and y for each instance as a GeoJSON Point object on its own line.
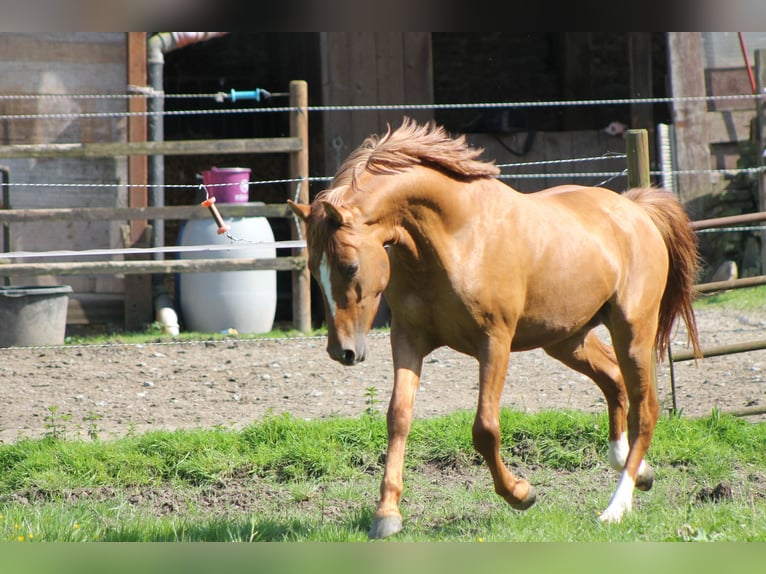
{"type": "Point", "coordinates": [588, 248]}
{"type": "Point", "coordinates": [596, 210]}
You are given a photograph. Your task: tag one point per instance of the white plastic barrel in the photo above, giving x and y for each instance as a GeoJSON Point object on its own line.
{"type": "Point", "coordinates": [241, 300]}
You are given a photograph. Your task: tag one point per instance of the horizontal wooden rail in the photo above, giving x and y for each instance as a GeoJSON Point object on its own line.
{"type": "Point", "coordinates": [729, 220]}
{"type": "Point", "coordinates": [296, 263]}
{"type": "Point", "coordinates": [722, 350]}
{"type": "Point", "coordinates": [296, 146]}
{"type": "Point", "coordinates": [731, 284]}
{"type": "Point", "coordinates": [129, 213]}
{"type": "Point", "coordinates": [178, 147]}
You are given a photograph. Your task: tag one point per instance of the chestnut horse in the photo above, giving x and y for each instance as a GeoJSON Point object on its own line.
{"type": "Point", "coordinates": [467, 262]}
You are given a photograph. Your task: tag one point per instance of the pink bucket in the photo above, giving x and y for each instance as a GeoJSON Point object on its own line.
{"type": "Point", "coordinates": [228, 184]}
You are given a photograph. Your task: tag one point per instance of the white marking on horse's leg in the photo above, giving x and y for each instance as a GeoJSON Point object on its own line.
{"type": "Point", "coordinates": [324, 279]}
{"type": "Point", "coordinates": [618, 454]}
{"type": "Point", "coordinates": [622, 500]}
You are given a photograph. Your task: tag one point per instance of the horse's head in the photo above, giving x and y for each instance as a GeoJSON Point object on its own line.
{"type": "Point", "coordinates": [351, 266]}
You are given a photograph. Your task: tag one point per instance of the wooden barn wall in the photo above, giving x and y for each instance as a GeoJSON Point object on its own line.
{"type": "Point", "coordinates": [725, 74]}
{"type": "Point", "coordinates": [362, 68]}
{"type": "Point", "coordinates": [554, 147]}
{"type": "Point", "coordinates": [65, 63]}
{"type": "Point", "coordinates": [710, 135]}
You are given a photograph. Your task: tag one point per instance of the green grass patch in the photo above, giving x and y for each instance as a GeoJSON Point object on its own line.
{"type": "Point", "coordinates": [745, 299]}
{"type": "Point", "coordinates": [289, 479]}
{"type": "Point", "coordinates": [154, 334]}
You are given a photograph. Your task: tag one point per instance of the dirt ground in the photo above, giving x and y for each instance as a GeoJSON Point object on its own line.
{"type": "Point", "coordinates": [118, 389]}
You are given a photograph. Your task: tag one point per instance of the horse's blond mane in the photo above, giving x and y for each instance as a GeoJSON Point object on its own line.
{"type": "Point", "coordinates": [414, 144]}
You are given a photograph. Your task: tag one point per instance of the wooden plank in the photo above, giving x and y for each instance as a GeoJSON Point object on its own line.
{"type": "Point", "coordinates": [760, 139]}
{"type": "Point", "coordinates": [389, 56]}
{"type": "Point", "coordinates": [137, 164]}
{"type": "Point", "coordinates": [418, 73]}
{"type": "Point", "coordinates": [722, 49]}
{"type": "Point", "coordinates": [138, 306]}
{"type": "Point", "coordinates": [550, 146]}
{"type": "Point", "coordinates": [558, 146]}
{"type": "Point", "coordinates": [177, 147]}
{"type": "Point", "coordinates": [364, 85]}
{"type": "Point", "coordinates": [727, 83]}
{"type": "Point", "coordinates": [336, 88]}
{"type": "Point", "coordinates": [390, 84]}
{"type": "Point", "coordinates": [729, 126]}
{"type": "Point", "coordinates": [730, 220]}
{"type": "Point", "coordinates": [299, 170]}
{"type": "Point", "coordinates": [61, 47]}
{"type": "Point", "coordinates": [637, 147]}
{"type": "Point", "coordinates": [89, 309]}
{"type": "Point", "coordinates": [692, 149]}
{"type": "Point", "coordinates": [130, 213]}
{"type": "Point", "coordinates": [577, 80]}
{"type": "Point", "coordinates": [640, 54]}
{"type": "Point", "coordinates": [361, 69]}
{"type": "Point", "coordinates": [152, 266]}
{"type": "Point", "coordinates": [731, 284]}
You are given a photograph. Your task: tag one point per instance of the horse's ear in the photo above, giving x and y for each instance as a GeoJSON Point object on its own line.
{"type": "Point", "coordinates": [337, 213]}
{"type": "Point", "coordinates": [300, 209]}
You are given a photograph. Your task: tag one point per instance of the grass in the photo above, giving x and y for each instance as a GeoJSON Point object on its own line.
{"type": "Point", "coordinates": [286, 479]}
{"type": "Point", "coordinates": [749, 299]}
{"type": "Point", "coordinates": [154, 334]}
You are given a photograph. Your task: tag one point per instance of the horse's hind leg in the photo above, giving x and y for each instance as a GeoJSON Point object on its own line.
{"type": "Point", "coordinates": [589, 355]}
{"type": "Point", "coordinates": [634, 347]}
{"type": "Point", "coordinates": [486, 428]}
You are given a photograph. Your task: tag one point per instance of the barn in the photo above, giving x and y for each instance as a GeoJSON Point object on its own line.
{"type": "Point", "coordinates": [566, 94]}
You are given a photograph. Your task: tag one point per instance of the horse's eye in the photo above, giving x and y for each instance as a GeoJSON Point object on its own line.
{"type": "Point", "coordinates": [350, 270]}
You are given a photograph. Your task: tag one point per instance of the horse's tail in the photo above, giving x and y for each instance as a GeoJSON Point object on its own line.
{"type": "Point", "coordinates": [670, 218]}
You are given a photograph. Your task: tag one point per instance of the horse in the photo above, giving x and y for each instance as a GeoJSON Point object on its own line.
{"type": "Point", "coordinates": [465, 261]}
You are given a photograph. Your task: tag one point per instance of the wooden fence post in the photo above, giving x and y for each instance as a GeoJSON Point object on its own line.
{"type": "Point", "coordinates": [760, 140]}
{"type": "Point", "coordinates": [299, 170]}
{"type": "Point", "coordinates": [139, 296]}
{"type": "Point", "coordinates": [637, 150]}
{"type": "Point", "coordinates": [692, 147]}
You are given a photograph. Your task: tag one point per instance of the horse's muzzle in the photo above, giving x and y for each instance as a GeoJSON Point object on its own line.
{"type": "Point", "coordinates": [346, 355]}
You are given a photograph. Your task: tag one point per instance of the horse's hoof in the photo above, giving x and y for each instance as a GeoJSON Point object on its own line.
{"type": "Point", "coordinates": [385, 526]}
{"type": "Point", "coordinates": [645, 480]}
{"type": "Point", "coordinates": [530, 499]}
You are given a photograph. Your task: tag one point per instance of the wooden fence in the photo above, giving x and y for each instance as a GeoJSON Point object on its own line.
{"type": "Point", "coordinates": [713, 287]}
{"type": "Point", "coordinates": [296, 145]}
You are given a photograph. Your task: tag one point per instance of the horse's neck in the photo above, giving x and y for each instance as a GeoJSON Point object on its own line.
{"type": "Point", "coordinates": [414, 213]}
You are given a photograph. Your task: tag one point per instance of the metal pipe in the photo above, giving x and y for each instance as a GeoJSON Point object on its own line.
{"type": "Point", "coordinates": [749, 68]}
{"type": "Point", "coordinates": [156, 133]}
{"type": "Point", "coordinates": [157, 46]}
{"type": "Point", "coordinates": [665, 143]}
{"type": "Point", "coordinates": [6, 204]}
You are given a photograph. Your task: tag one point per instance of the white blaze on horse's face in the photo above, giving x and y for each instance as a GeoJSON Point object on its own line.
{"type": "Point", "coordinates": [326, 285]}
{"type": "Point", "coordinates": [352, 272]}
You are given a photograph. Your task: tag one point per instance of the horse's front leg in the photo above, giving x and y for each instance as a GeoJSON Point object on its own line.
{"type": "Point", "coordinates": [407, 367]}
{"type": "Point", "coordinates": [493, 364]}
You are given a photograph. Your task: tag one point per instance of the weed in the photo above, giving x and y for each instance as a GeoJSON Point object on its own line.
{"type": "Point", "coordinates": [371, 400]}
{"type": "Point", "coordinates": [55, 423]}
{"type": "Point", "coordinates": [92, 419]}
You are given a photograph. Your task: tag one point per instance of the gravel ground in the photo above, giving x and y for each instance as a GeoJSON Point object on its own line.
{"type": "Point", "coordinates": [118, 389]}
